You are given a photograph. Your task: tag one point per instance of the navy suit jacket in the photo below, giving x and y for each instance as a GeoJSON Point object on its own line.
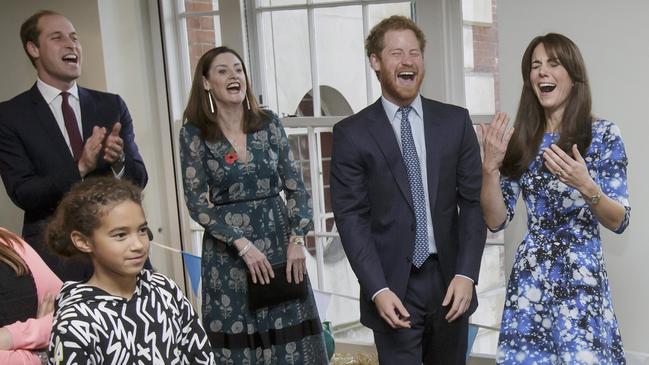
{"type": "Point", "coordinates": [373, 206]}
{"type": "Point", "coordinates": [36, 164]}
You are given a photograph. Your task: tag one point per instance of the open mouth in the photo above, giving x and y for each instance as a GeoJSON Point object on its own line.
{"type": "Point", "coordinates": [547, 87]}
{"type": "Point", "coordinates": [71, 58]}
{"type": "Point", "coordinates": [234, 86]}
{"type": "Point", "coordinates": [406, 75]}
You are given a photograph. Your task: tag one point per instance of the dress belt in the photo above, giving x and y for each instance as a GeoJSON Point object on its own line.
{"type": "Point", "coordinates": [247, 200]}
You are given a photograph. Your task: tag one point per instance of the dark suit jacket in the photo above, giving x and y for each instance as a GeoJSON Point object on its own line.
{"type": "Point", "coordinates": [36, 165]}
{"type": "Point", "coordinates": [373, 206]}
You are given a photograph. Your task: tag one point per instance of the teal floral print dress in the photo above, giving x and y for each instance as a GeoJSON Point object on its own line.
{"type": "Point", "coordinates": [558, 307]}
{"type": "Point", "coordinates": [231, 199]}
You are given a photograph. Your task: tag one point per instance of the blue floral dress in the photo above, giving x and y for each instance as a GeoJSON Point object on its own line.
{"type": "Point", "coordinates": [233, 199]}
{"type": "Point", "coordinates": [558, 306]}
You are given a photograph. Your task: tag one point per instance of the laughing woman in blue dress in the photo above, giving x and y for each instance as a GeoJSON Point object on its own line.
{"type": "Point", "coordinates": [235, 162]}
{"type": "Point", "coordinates": [571, 169]}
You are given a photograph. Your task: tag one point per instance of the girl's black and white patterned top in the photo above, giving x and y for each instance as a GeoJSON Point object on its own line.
{"type": "Point", "coordinates": [156, 326]}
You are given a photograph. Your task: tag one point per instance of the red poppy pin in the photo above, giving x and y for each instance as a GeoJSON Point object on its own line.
{"type": "Point", "coordinates": [231, 157]}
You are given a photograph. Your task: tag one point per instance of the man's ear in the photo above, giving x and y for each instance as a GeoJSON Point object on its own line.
{"type": "Point", "coordinates": [375, 62]}
{"type": "Point", "coordinates": [32, 49]}
{"type": "Point", "coordinates": [81, 242]}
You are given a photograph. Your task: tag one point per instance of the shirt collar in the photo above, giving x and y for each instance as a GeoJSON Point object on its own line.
{"type": "Point", "coordinates": [391, 109]}
{"type": "Point", "coordinates": [50, 93]}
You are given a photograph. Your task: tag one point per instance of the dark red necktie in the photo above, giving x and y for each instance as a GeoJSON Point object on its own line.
{"type": "Point", "coordinates": [72, 127]}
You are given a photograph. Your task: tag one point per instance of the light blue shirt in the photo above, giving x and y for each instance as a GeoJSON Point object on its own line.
{"type": "Point", "coordinates": [416, 118]}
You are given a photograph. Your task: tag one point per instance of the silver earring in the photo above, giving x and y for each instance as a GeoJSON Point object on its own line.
{"type": "Point", "coordinates": [247, 103]}
{"type": "Point", "coordinates": [209, 96]}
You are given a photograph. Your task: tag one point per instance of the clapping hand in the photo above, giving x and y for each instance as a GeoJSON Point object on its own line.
{"type": "Point", "coordinates": [91, 148]}
{"type": "Point", "coordinates": [114, 145]}
{"type": "Point", "coordinates": [495, 138]}
{"type": "Point", "coordinates": [571, 171]}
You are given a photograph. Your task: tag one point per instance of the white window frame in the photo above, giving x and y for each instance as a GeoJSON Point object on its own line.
{"type": "Point", "coordinates": [444, 81]}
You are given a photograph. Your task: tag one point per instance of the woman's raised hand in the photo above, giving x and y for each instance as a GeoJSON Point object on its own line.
{"type": "Point", "coordinates": [495, 138]}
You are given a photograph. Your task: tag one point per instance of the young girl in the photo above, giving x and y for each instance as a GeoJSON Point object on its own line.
{"type": "Point", "coordinates": [122, 314]}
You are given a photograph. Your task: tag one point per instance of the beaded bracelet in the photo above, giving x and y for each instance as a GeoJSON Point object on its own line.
{"type": "Point", "coordinates": [245, 249]}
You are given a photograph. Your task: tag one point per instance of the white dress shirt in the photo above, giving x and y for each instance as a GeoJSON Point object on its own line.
{"type": "Point", "coordinates": [53, 99]}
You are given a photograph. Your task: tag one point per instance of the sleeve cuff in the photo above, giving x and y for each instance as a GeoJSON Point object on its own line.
{"type": "Point", "coordinates": [464, 276]}
{"type": "Point", "coordinates": [379, 291]}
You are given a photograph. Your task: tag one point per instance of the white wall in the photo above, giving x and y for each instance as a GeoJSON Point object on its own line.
{"type": "Point", "coordinates": [613, 38]}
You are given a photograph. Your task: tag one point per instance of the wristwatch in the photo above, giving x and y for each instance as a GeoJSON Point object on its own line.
{"type": "Point", "coordinates": [298, 240]}
{"type": "Point", "coordinates": [594, 199]}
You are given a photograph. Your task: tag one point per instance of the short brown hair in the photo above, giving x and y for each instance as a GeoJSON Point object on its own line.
{"type": "Point", "coordinates": [29, 31]}
{"type": "Point", "coordinates": [374, 41]}
{"type": "Point", "coordinates": [83, 208]}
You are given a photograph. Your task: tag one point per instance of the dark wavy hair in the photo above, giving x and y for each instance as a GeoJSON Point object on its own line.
{"type": "Point", "coordinates": [83, 208]}
{"type": "Point", "coordinates": [530, 123]}
{"type": "Point", "coordinates": [198, 111]}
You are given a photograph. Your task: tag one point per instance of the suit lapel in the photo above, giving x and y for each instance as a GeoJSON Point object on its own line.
{"type": "Point", "coordinates": [382, 131]}
{"type": "Point", "coordinates": [49, 125]}
{"type": "Point", "coordinates": [87, 112]}
{"type": "Point", "coordinates": [433, 145]}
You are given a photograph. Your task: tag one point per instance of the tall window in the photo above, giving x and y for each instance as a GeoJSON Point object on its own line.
{"type": "Point", "coordinates": [313, 67]}
{"type": "Point", "coordinates": [482, 100]}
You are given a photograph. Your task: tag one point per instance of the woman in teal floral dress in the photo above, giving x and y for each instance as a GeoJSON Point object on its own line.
{"type": "Point", "coordinates": [235, 163]}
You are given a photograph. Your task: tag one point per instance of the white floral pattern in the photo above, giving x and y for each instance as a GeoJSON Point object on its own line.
{"type": "Point", "coordinates": [558, 306]}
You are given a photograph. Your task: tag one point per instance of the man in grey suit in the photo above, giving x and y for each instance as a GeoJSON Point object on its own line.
{"type": "Point", "coordinates": [405, 183]}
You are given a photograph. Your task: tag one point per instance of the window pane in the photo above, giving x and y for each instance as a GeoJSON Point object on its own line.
{"type": "Point", "coordinates": [201, 5]}
{"type": "Point", "coordinates": [329, 1]}
{"type": "Point", "coordinates": [341, 60]}
{"type": "Point", "coordinates": [480, 94]}
{"type": "Point", "coordinates": [287, 68]}
{"type": "Point", "coordinates": [468, 47]}
{"type": "Point", "coordinates": [267, 3]}
{"type": "Point", "coordinates": [490, 289]}
{"type": "Point", "coordinates": [203, 34]}
{"type": "Point", "coordinates": [481, 56]}
{"type": "Point", "coordinates": [477, 11]}
{"type": "Point", "coordinates": [377, 13]}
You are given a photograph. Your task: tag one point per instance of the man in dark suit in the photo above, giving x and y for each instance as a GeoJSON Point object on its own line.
{"type": "Point", "coordinates": [405, 183]}
{"type": "Point", "coordinates": [58, 133]}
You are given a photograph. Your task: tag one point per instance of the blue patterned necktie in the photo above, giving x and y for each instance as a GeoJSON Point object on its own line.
{"type": "Point", "coordinates": [420, 253]}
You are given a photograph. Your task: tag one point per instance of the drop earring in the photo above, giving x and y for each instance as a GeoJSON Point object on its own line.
{"type": "Point", "coordinates": [247, 103]}
{"type": "Point", "coordinates": [209, 96]}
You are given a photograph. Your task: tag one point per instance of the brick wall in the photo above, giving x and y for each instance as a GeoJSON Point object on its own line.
{"type": "Point", "coordinates": [485, 50]}
{"type": "Point", "coordinates": [201, 34]}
